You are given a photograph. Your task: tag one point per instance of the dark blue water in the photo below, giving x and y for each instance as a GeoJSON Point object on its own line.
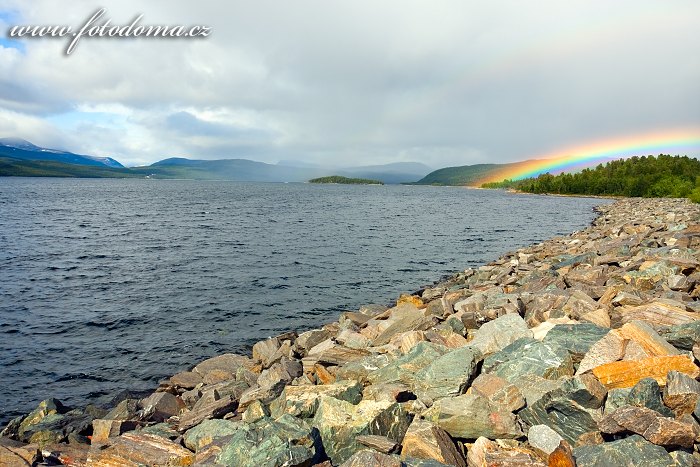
{"type": "Point", "coordinates": [108, 285]}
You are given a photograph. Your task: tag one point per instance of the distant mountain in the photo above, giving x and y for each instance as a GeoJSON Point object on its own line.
{"type": "Point", "coordinates": [398, 172]}
{"type": "Point", "coordinates": [22, 158]}
{"type": "Point", "coordinates": [462, 175]}
{"type": "Point", "coordinates": [247, 170]}
{"type": "Point", "coordinates": [19, 149]}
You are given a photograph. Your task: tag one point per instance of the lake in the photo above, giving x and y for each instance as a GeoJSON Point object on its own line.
{"type": "Point", "coordinates": [108, 285]}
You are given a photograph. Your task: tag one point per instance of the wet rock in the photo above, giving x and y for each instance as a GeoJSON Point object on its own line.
{"type": "Point", "coordinates": [140, 449]}
{"type": "Point", "coordinates": [206, 432]}
{"type": "Point", "coordinates": [447, 375]}
{"type": "Point", "coordinates": [471, 415]}
{"type": "Point", "coordinates": [424, 440]}
{"type": "Point", "coordinates": [340, 422]}
{"type": "Point", "coordinates": [626, 374]}
{"type": "Point", "coordinates": [303, 401]}
{"type": "Point", "coordinates": [527, 356]}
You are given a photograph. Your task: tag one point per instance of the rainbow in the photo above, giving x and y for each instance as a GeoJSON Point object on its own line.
{"type": "Point", "coordinates": [677, 141]}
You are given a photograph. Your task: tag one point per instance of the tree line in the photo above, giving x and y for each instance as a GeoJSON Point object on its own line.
{"type": "Point", "coordinates": [646, 176]}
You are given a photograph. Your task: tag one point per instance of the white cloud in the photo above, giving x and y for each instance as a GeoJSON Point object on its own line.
{"type": "Point", "coordinates": [445, 83]}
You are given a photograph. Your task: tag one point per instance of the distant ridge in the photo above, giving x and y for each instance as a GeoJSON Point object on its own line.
{"type": "Point", "coordinates": [20, 149]}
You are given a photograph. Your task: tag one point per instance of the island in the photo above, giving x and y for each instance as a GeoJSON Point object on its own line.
{"type": "Point", "coordinates": [346, 181]}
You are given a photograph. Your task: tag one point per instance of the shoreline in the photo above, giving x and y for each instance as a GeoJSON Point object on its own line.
{"type": "Point", "coordinates": [387, 381]}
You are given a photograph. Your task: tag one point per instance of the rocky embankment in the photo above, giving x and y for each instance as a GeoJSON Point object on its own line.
{"type": "Point", "coordinates": [582, 350]}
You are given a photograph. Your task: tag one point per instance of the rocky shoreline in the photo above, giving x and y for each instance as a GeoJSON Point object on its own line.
{"type": "Point", "coordinates": [581, 350]}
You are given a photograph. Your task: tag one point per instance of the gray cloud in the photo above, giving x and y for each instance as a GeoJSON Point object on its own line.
{"type": "Point", "coordinates": [448, 83]}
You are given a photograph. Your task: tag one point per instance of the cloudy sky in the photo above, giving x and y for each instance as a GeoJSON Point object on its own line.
{"type": "Point", "coordinates": [352, 82]}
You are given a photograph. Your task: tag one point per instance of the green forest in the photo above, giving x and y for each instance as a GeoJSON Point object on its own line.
{"type": "Point", "coordinates": [645, 176]}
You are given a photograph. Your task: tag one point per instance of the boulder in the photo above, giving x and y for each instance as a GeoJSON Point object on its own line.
{"type": "Point", "coordinates": [610, 348]}
{"type": "Point", "coordinates": [577, 339]}
{"type": "Point", "coordinates": [424, 440]}
{"type": "Point", "coordinates": [302, 401]}
{"type": "Point", "coordinates": [652, 343]}
{"type": "Point", "coordinates": [267, 442]}
{"type": "Point", "coordinates": [499, 333]}
{"type": "Point", "coordinates": [647, 393]}
{"type": "Point", "coordinates": [472, 415]}
{"type": "Point", "coordinates": [486, 453]}
{"type": "Point", "coordinates": [367, 458]}
{"type": "Point", "coordinates": [498, 391]}
{"type": "Point", "coordinates": [447, 375]}
{"type": "Point", "coordinates": [206, 432]}
{"type": "Point", "coordinates": [528, 356]}
{"type": "Point", "coordinates": [682, 336]}
{"type": "Point", "coordinates": [682, 393]}
{"type": "Point", "coordinates": [340, 422]}
{"type": "Point", "coordinates": [543, 438]}
{"type": "Point", "coordinates": [404, 368]}
{"type": "Point", "coordinates": [228, 362]}
{"type": "Point", "coordinates": [133, 449]}
{"type": "Point", "coordinates": [626, 374]}
{"type": "Point", "coordinates": [654, 427]}
{"type": "Point", "coordinates": [162, 405]}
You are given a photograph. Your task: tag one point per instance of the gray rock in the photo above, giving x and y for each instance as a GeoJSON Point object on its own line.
{"type": "Point", "coordinates": [633, 450]}
{"type": "Point", "coordinates": [369, 458]}
{"type": "Point", "coordinates": [572, 410]}
{"type": "Point", "coordinates": [682, 336]}
{"type": "Point", "coordinates": [272, 443]}
{"type": "Point", "coordinates": [404, 368]}
{"type": "Point", "coordinates": [497, 334]}
{"type": "Point", "coordinates": [302, 401]}
{"type": "Point", "coordinates": [616, 398]}
{"type": "Point", "coordinates": [340, 422]}
{"type": "Point", "coordinates": [163, 405]}
{"type": "Point", "coordinates": [647, 393]}
{"type": "Point", "coordinates": [576, 338]}
{"type": "Point", "coordinates": [448, 375]}
{"type": "Point", "coordinates": [528, 356]}
{"type": "Point", "coordinates": [472, 415]}
{"type": "Point", "coordinates": [543, 438]}
{"type": "Point", "coordinates": [682, 393]}
{"type": "Point", "coordinates": [206, 432]}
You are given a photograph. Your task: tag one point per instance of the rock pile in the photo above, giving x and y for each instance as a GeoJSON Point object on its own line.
{"type": "Point", "coordinates": [581, 350]}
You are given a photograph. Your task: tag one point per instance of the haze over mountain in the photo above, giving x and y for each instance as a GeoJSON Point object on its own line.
{"type": "Point", "coordinates": [22, 158]}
